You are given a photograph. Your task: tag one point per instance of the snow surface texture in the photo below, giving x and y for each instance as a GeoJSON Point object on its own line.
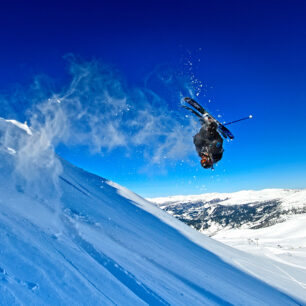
{"type": "Point", "coordinates": [68, 237]}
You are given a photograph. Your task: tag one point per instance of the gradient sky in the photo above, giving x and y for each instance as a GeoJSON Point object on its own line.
{"type": "Point", "coordinates": [249, 55]}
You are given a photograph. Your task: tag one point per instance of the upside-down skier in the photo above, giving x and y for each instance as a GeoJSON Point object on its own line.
{"type": "Point", "coordinates": [208, 143]}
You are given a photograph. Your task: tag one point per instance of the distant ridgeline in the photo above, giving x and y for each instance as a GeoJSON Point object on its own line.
{"type": "Point", "coordinates": [210, 213]}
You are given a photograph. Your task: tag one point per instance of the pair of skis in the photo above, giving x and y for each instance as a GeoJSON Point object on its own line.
{"type": "Point", "coordinates": [200, 112]}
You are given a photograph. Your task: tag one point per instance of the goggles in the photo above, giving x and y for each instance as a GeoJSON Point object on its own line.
{"type": "Point", "coordinates": [206, 161]}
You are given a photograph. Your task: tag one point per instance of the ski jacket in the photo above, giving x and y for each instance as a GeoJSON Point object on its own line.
{"type": "Point", "coordinates": [208, 140]}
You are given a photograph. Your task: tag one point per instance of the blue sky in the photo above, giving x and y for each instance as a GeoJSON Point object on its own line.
{"type": "Point", "coordinates": [248, 55]}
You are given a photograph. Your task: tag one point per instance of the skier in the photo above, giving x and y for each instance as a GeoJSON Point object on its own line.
{"type": "Point", "coordinates": [208, 143]}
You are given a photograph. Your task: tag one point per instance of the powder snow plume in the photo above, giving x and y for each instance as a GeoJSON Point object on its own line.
{"type": "Point", "coordinates": [95, 109]}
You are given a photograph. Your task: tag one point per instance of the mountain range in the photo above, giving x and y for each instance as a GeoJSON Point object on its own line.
{"type": "Point", "coordinates": [214, 212]}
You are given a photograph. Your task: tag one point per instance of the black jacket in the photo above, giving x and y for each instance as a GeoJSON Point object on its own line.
{"type": "Point", "coordinates": [208, 140]}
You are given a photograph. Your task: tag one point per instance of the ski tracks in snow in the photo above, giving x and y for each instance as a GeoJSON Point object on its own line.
{"type": "Point", "coordinates": [303, 285]}
{"type": "Point", "coordinates": [7, 278]}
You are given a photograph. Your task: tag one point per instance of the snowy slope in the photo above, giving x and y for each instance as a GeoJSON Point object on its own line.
{"type": "Point", "coordinates": [269, 223]}
{"type": "Point", "coordinates": [283, 242]}
{"type": "Point", "coordinates": [72, 238]}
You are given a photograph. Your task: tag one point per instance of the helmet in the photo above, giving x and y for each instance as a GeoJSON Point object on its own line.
{"type": "Point", "coordinates": [206, 161]}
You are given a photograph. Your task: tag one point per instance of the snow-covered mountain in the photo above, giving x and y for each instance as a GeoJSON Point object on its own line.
{"type": "Point", "coordinates": [69, 237]}
{"type": "Point", "coordinates": [213, 212]}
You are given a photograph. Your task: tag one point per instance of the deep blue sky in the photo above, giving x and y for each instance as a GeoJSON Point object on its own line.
{"type": "Point", "coordinates": [252, 60]}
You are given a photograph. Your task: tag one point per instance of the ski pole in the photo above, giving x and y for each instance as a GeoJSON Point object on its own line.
{"type": "Point", "coordinates": [250, 117]}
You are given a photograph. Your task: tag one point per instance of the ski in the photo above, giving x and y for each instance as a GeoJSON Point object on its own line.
{"type": "Point", "coordinates": [193, 111]}
{"type": "Point", "coordinates": [222, 129]}
{"type": "Point", "coordinates": [202, 119]}
{"type": "Point", "coordinates": [196, 105]}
